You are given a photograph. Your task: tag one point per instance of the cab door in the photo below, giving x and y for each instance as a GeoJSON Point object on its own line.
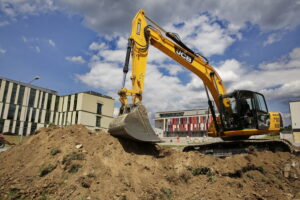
{"type": "Point", "coordinates": [261, 109]}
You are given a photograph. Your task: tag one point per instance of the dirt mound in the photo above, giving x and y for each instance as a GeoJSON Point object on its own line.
{"type": "Point", "coordinates": [72, 163]}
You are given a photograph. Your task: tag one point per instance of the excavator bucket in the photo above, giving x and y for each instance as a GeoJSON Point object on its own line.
{"type": "Point", "coordinates": [134, 124]}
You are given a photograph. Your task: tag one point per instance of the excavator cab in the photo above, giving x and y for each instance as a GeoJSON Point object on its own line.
{"type": "Point", "coordinates": [248, 110]}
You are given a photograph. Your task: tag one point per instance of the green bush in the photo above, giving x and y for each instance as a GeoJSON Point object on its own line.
{"type": "Point", "coordinates": [46, 169]}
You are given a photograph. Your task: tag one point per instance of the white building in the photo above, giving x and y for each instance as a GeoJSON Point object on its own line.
{"type": "Point", "coordinates": [295, 119]}
{"type": "Point", "coordinates": [25, 108]}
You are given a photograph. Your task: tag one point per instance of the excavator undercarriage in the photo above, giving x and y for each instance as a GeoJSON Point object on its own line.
{"type": "Point", "coordinates": [228, 148]}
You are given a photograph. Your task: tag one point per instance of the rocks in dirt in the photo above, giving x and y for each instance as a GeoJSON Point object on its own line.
{"type": "Point", "coordinates": [79, 146]}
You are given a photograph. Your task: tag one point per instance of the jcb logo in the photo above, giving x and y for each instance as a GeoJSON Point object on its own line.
{"type": "Point", "coordinates": [184, 55]}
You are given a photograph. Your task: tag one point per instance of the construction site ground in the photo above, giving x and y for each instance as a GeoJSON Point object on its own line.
{"type": "Point", "coordinates": [73, 163]}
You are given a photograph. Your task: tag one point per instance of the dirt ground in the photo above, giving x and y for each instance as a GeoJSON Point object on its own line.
{"type": "Point", "coordinates": [73, 163]}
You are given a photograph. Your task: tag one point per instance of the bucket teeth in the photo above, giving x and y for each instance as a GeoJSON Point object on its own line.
{"type": "Point", "coordinates": [134, 125]}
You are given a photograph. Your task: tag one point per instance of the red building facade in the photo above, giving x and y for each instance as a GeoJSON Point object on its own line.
{"type": "Point", "coordinates": [192, 123]}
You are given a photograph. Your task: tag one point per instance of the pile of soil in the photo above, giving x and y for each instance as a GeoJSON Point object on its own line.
{"type": "Point", "coordinates": [73, 163]}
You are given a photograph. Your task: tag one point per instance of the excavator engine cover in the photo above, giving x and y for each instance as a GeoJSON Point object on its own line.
{"type": "Point", "coordinates": [134, 124]}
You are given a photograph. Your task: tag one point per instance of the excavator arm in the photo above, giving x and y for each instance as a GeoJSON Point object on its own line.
{"type": "Point", "coordinates": [144, 35]}
{"type": "Point", "coordinates": [133, 121]}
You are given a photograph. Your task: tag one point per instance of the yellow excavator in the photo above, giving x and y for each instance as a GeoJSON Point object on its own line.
{"type": "Point", "coordinates": [241, 113]}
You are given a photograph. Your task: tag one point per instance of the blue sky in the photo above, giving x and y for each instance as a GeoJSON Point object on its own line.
{"type": "Point", "coordinates": [74, 45]}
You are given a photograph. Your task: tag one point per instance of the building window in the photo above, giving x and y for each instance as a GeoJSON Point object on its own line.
{"type": "Point", "coordinates": [5, 92]}
{"type": "Point", "coordinates": [27, 111]}
{"type": "Point", "coordinates": [75, 102]}
{"type": "Point", "coordinates": [19, 112]}
{"type": "Point", "coordinates": [43, 99]}
{"type": "Point", "coordinates": [25, 128]}
{"type": "Point", "coordinates": [56, 103]}
{"type": "Point", "coordinates": [99, 108]}
{"type": "Point", "coordinates": [17, 128]}
{"type": "Point", "coordinates": [21, 95]}
{"type": "Point", "coordinates": [76, 118]}
{"type": "Point", "coordinates": [11, 123]}
{"type": "Point", "coordinates": [98, 121]}
{"type": "Point", "coordinates": [1, 125]}
{"type": "Point", "coordinates": [33, 128]}
{"type": "Point", "coordinates": [31, 97]}
{"type": "Point", "coordinates": [49, 101]}
{"type": "Point", "coordinates": [33, 114]}
{"type": "Point", "coordinates": [11, 111]}
{"type": "Point", "coordinates": [47, 117]}
{"type": "Point", "coordinates": [66, 121]}
{"type": "Point", "coordinates": [40, 116]}
{"type": "Point", "coordinates": [13, 93]}
{"type": "Point", "coordinates": [69, 103]}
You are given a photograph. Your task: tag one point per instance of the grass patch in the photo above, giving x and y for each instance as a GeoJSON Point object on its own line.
{"type": "Point", "coordinates": [203, 171]}
{"type": "Point", "coordinates": [54, 151]}
{"type": "Point", "coordinates": [74, 168]}
{"type": "Point", "coordinates": [72, 156]}
{"type": "Point", "coordinates": [64, 177]}
{"type": "Point", "coordinates": [166, 192]}
{"type": "Point", "coordinates": [91, 175]}
{"type": "Point", "coordinates": [239, 173]}
{"type": "Point", "coordinates": [43, 197]}
{"type": "Point", "coordinates": [200, 170]}
{"type": "Point", "coordinates": [14, 194]}
{"type": "Point", "coordinates": [46, 169]}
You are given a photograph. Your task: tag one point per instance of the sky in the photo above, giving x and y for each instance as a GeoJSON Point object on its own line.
{"type": "Point", "coordinates": [78, 45]}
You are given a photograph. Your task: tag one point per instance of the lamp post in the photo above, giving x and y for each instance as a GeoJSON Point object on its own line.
{"type": "Point", "coordinates": [26, 105]}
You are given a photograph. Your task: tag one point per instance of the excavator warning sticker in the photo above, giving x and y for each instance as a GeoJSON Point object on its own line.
{"type": "Point", "coordinates": [184, 55]}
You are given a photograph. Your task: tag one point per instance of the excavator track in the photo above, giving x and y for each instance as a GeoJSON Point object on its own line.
{"type": "Point", "coordinates": [228, 148]}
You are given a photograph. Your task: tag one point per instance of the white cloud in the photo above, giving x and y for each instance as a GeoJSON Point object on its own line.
{"type": "Point", "coordinates": [2, 51]}
{"type": "Point", "coordinates": [104, 76]}
{"type": "Point", "coordinates": [284, 92]}
{"type": "Point", "coordinates": [230, 70]}
{"type": "Point", "coordinates": [75, 59]}
{"type": "Point", "coordinates": [102, 17]}
{"type": "Point", "coordinates": [98, 46]}
{"type": "Point", "coordinates": [167, 91]}
{"type": "Point", "coordinates": [272, 38]}
{"type": "Point", "coordinates": [24, 39]}
{"type": "Point", "coordinates": [286, 62]}
{"type": "Point", "coordinates": [52, 43]}
{"type": "Point", "coordinates": [269, 14]}
{"type": "Point", "coordinates": [4, 23]}
{"type": "Point", "coordinates": [205, 35]}
{"type": "Point", "coordinates": [15, 8]}
{"type": "Point", "coordinates": [38, 50]}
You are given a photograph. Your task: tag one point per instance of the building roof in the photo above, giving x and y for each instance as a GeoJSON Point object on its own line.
{"type": "Point", "coordinates": [53, 91]}
{"type": "Point", "coordinates": [174, 111]}
{"type": "Point", "coordinates": [294, 101]}
{"type": "Point", "coordinates": [97, 94]}
{"type": "Point", "coordinates": [29, 85]}
{"type": "Point", "coordinates": [91, 93]}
